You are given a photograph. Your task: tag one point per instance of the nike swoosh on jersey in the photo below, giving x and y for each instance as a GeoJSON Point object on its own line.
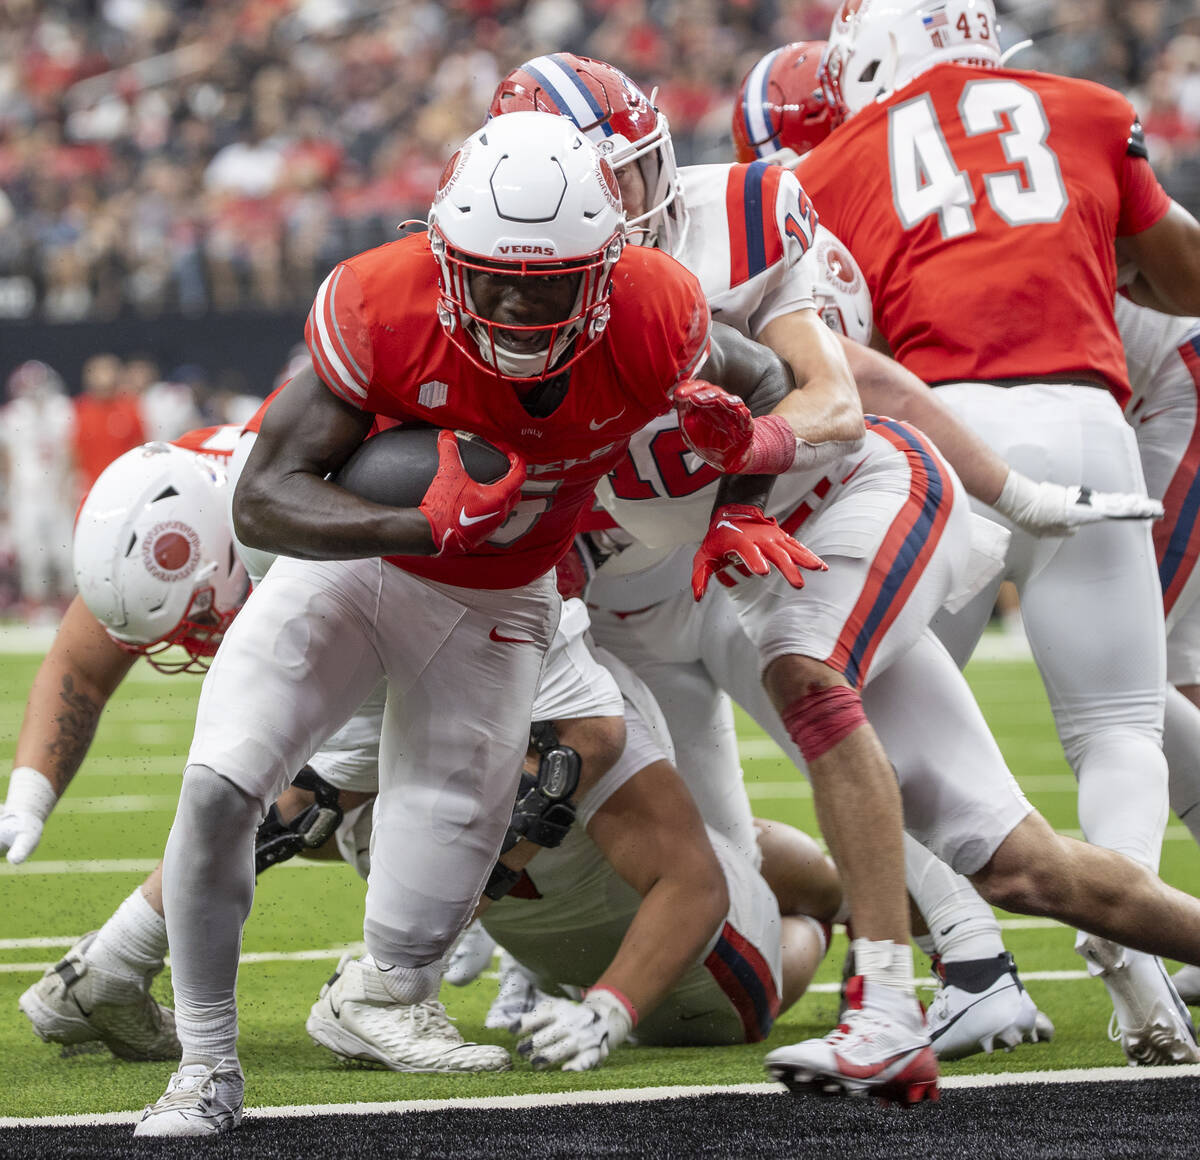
{"type": "Point", "coordinates": [593, 425]}
{"type": "Point", "coordinates": [467, 520]}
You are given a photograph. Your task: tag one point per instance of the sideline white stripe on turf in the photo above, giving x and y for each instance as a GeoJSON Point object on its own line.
{"type": "Point", "coordinates": [140, 865]}
{"type": "Point", "coordinates": [621, 1096]}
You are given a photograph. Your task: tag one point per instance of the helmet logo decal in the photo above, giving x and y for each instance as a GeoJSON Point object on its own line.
{"type": "Point", "coordinates": [937, 26]}
{"type": "Point", "coordinates": [838, 266]}
{"type": "Point", "coordinates": [171, 550]}
{"type": "Point", "coordinates": [451, 172]}
{"type": "Point", "coordinates": [608, 179]}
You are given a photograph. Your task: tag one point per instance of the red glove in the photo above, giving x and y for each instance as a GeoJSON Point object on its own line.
{"type": "Point", "coordinates": [740, 536]}
{"type": "Point", "coordinates": [461, 512]}
{"type": "Point", "coordinates": [719, 428]}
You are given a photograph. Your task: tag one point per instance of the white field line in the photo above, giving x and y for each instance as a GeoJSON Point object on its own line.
{"type": "Point", "coordinates": [253, 958]}
{"type": "Point", "coordinates": [621, 1096]}
{"type": "Point", "coordinates": [145, 865]}
{"type": "Point", "coordinates": [67, 940]}
{"type": "Point", "coordinates": [249, 958]}
{"type": "Point", "coordinates": [131, 866]}
{"type": "Point", "coordinates": [800, 788]}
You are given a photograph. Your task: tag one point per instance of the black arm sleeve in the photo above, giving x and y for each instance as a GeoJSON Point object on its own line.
{"type": "Point", "coordinates": [761, 379]}
{"type": "Point", "coordinates": [747, 369]}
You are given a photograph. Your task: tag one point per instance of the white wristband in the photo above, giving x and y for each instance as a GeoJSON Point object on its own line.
{"type": "Point", "coordinates": [1018, 492]}
{"type": "Point", "coordinates": [30, 792]}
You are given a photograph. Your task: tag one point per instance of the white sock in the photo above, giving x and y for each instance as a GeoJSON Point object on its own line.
{"type": "Point", "coordinates": [884, 963]}
{"type": "Point", "coordinates": [411, 984]}
{"type": "Point", "coordinates": [961, 925]}
{"type": "Point", "coordinates": [133, 942]}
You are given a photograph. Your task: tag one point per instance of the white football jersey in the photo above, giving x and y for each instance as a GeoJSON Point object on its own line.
{"type": "Point", "coordinates": [749, 242]}
{"type": "Point", "coordinates": [754, 244]}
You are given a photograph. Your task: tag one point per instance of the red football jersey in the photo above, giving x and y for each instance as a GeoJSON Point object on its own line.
{"type": "Point", "coordinates": [375, 339]}
{"type": "Point", "coordinates": [982, 205]}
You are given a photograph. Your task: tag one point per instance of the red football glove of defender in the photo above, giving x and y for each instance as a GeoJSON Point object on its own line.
{"type": "Point", "coordinates": [742, 537]}
{"type": "Point", "coordinates": [719, 428]}
{"type": "Point", "coordinates": [462, 512]}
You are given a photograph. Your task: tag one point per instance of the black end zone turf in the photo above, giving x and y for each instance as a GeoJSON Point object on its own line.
{"type": "Point", "coordinates": [1149, 1118]}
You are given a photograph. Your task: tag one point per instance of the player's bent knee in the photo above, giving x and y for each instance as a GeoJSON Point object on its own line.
{"type": "Point", "coordinates": [215, 803]}
{"type": "Point", "coordinates": [1028, 873]}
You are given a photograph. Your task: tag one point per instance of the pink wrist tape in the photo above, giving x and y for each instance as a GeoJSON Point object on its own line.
{"type": "Point", "coordinates": [772, 447]}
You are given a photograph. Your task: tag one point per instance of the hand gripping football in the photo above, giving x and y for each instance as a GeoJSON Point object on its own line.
{"type": "Point", "coordinates": [397, 466]}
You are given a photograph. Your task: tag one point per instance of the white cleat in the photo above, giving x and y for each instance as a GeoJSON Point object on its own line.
{"type": "Point", "coordinates": [1187, 983]}
{"type": "Point", "coordinates": [1150, 1021]}
{"type": "Point", "coordinates": [74, 1002]}
{"type": "Point", "coordinates": [357, 1019]}
{"type": "Point", "coordinates": [880, 1049]}
{"type": "Point", "coordinates": [471, 953]}
{"type": "Point", "coordinates": [981, 1005]}
{"type": "Point", "coordinates": [201, 1099]}
{"type": "Point", "coordinates": [515, 997]}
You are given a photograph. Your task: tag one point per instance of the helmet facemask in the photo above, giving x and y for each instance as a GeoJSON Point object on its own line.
{"type": "Point", "coordinates": [587, 316]}
{"type": "Point", "coordinates": [527, 197]}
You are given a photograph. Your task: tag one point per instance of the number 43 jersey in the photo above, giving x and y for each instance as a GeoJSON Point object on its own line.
{"type": "Point", "coordinates": [982, 205]}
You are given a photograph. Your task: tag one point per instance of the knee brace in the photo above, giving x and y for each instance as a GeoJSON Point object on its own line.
{"type": "Point", "coordinates": [277, 841]}
{"type": "Point", "coordinates": [818, 720]}
{"type": "Point", "coordinates": [543, 812]}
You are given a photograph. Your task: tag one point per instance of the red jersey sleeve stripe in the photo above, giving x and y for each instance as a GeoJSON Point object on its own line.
{"type": "Point", "coordinates": [324, 346]}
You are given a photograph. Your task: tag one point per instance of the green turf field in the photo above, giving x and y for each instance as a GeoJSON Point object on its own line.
{"type": "Point", "coordinates": [118, 813]}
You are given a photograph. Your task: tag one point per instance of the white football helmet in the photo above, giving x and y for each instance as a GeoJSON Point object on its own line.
{"type": "Point", "coordinates": [154, 554]}
{"type": "Point", "coordinates": [878, 46]}
{"type": "Point", "coordinates": [529, 196]}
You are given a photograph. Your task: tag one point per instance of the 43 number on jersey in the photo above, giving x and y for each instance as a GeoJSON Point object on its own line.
{"type": "Point", "coordinates": [927, 181]}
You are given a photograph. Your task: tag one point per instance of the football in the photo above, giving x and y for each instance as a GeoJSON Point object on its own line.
{"type": "Point", "coordinates": [397, 466]}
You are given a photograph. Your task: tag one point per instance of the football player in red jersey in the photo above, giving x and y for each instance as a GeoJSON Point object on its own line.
{"type": "Point", "coordinates": [949, 165]}
{"type": "Point", "coordinates": [500, 322]}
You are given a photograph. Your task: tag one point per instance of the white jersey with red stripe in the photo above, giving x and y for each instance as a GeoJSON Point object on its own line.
{"type": "Point", "coordinates": [749, 241]}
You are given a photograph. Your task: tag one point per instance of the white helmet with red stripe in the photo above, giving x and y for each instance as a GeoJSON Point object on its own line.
{"type": "Point", "coordinates": [527, 196]}
{"type": "Point", "coordinates": [878, 46]}
{"type": "Point", "coordinates": [154, 554]}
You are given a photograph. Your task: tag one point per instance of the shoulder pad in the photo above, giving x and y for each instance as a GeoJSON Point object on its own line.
{"type": "Point", "coordinates": [1136, 145]}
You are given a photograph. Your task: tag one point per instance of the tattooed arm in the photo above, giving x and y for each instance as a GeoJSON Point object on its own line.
{"type": "Point", "coordinates": [80, 673]}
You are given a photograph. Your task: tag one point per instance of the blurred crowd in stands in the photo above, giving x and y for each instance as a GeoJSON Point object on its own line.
{"type": "Point", "coordinates": [199, 157]}
{"type": "Point", "coordinates": [207, 155]}
{"type": "Point", "coordinates": [53, 445]}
